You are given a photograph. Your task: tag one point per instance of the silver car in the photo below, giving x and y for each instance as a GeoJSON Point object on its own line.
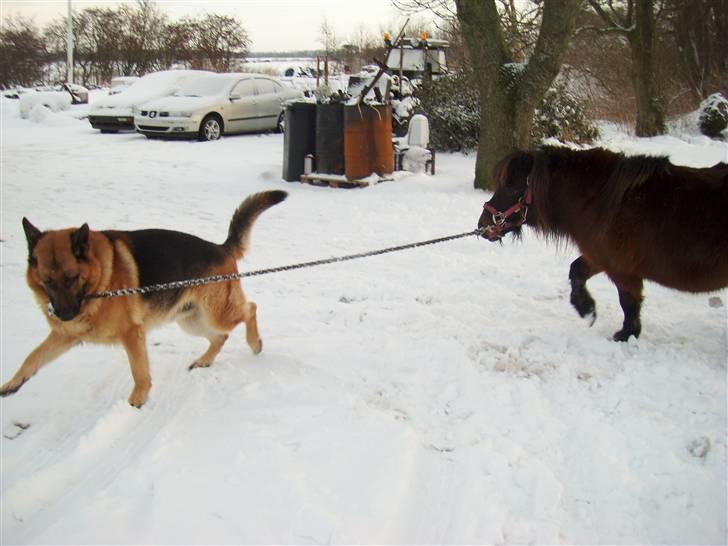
{"type": "Point", "coordinates": [220, 104]}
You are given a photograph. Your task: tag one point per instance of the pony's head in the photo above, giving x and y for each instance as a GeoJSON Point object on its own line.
{"type": "Point", "coordinates": [507, 209]}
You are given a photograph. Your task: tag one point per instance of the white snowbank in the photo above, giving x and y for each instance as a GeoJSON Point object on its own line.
{"type": "Point", "coordinates": [34, 103]}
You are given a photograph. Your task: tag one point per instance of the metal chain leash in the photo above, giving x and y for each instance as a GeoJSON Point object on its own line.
{"type": "Point", "coordinates": [176, 285]}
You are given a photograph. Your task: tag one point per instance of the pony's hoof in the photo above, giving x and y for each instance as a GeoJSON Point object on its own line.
{"type": "Point", "coordinates": [623, 335]}
{"type": "Point", "coordinates": [585, 306]}
{"type": "Point", "coordinates": [591, 318]}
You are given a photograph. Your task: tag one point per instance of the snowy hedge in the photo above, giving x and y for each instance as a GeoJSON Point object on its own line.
{"type": "Point", "coordinates": [562, 116]}
{"type": "Point", "coordinates": [713, 118]}
{"type": "Point", "coordinates": [452, 105]}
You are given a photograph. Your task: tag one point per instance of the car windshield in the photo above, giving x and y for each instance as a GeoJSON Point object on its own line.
{"type": "Point", "coordinates": [203, 87]}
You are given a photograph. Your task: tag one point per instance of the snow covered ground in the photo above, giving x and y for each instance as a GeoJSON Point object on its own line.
{"type": "Point", "coordinates": [448, 394]}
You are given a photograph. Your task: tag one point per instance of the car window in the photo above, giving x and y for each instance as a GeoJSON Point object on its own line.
{"type": "Point", "coordinates": [206, 86]}
{"type": "Point", "coordinates": [244, 88]}
{"type": "Point", "coordinates": [267, 87]}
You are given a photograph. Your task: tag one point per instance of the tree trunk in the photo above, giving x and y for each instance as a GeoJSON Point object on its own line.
{"type": "Point", "coordinates": [650, 110]}
{"type": "Point", "coordinates": [510, 92]}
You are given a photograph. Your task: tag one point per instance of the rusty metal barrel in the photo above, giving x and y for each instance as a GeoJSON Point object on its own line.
{"type": "Point", "coordinates": [368, 140]}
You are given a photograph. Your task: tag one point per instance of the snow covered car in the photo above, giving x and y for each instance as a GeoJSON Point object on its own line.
{"type": "Point", "coordinates": [120, 83]}
{"type": "Point", "coordinates": [52, 100]}
{"type": "Point", "coordinates": [215, 105]}
{"type": "Point", "coordinates": [113, 113]}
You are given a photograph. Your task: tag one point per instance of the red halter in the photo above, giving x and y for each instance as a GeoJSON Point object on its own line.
{"type": "Point", "coordinates": [499, 218]}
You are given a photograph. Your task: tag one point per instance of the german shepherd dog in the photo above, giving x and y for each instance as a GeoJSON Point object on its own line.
{"type": "Point", "coordinates": [65, 266]}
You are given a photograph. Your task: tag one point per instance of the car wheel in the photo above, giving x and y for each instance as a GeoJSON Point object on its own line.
{"type": "Point", "coordinates": [211, 128]}
{"type": "Point", "coordinates": [281, 124]}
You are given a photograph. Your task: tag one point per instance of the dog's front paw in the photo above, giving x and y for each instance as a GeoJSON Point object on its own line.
{"type": "Point", "coordinates": [12, 386]}
{"type": "Point", "coordinates": [198, 364]}
{"type": "Point", "coordinates": [138, 397]}
{"type": "Point", "coordinates": [257, 347]}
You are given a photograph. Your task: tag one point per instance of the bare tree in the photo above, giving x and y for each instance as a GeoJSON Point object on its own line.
{"type": "Point", "coordinates": [637, 20]}
{"type": "Point", "coordinates": [143, 24]}
{"type": "Point", "coordinates": [22, 52]}
{"type": "Point", "coordinates": [328, 39]}
{"type": "Point", "coordinates": [177, 43]}
{"type": "Point", "coordinates": [699, 29]}
{"type": "Point", "coordinates": [219, 40]}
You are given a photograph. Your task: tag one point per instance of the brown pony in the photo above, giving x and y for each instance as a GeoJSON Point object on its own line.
{"type": "Point", "coordinates": [633, 218]}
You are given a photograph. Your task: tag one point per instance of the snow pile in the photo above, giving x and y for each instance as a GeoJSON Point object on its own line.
{"type": "Point", "coordinates": [713, 118]}
{"type": "Point", "coordinates": [448, 394]}
{"type": "Point", "coordinates": [36, 105]}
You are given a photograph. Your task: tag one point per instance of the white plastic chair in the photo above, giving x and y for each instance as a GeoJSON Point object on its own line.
{"type": "Point", "coordinates": [414, 149]}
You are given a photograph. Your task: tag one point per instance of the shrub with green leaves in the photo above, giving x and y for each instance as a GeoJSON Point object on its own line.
{"type": "Point", "coordinates": [452, 105]}
{"type": "Point", "coordinates": [562, 116]}
{"type": "Point", "coordinates": [713, 118]}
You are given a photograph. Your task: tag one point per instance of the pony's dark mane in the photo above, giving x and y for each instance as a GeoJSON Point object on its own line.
{"type": "Point", "coordinates": [609, 175]}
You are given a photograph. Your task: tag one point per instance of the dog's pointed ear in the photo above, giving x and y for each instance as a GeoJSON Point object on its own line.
{"type": "Point", "coordinates": [79, 242]}
{"type": "Point", "coordinates": [32, 234]}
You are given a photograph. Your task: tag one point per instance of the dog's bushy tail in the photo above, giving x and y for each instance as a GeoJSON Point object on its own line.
{"type": "Point", "coordinates": [238, 239]}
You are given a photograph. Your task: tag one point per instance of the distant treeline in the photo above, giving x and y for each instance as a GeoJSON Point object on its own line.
{"type": "Point", "coordinates": [128, 40]}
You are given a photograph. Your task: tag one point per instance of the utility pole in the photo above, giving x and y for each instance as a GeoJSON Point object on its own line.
{"type": "Point", "coordinates": [69, 44]}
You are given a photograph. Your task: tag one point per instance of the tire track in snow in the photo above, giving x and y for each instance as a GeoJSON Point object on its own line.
{"type": "Point", "coordinates": [31, 505]}
{"type": "Point", "coordinates": [63, 443]}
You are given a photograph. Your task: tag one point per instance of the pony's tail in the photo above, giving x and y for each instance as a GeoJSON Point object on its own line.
{"type": "Point", "coordinates": [238, 239]}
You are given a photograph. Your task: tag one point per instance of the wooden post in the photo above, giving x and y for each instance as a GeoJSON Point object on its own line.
{"type": "Point", "coordinates": [401, 64]}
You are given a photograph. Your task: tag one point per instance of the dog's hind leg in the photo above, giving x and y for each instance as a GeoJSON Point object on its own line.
{"type": "Point", "coordinates": [241, 311]}
{"type": "Point", "coordinates": [51, 348]}
{"type": "Point", "coordinates": [237, 310]}
{"type": "Point", "coordinates": [206, 360]}
{"type": "Point", "coordinates": [252, 336]}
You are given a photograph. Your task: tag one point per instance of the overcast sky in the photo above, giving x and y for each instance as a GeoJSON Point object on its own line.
{"type": "Point", "coordinates": [273, 25]}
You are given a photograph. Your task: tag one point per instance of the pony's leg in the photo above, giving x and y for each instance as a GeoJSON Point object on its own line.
{"type": "Point", "coordinates": [582, 270]}
{"type": "Point", "coordinates": [630, 299]}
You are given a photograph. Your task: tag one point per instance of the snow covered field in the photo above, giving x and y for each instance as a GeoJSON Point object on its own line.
{"type": "Point", "coordinates": [448, 394]}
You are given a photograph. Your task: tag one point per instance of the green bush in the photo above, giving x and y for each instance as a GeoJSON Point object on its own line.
{"type": "Point", "coordinates": [452, 105]}
{"type": "Point", "coordinates": [713, 118]}
{"type": "Point", "coordinates": [562, 116]}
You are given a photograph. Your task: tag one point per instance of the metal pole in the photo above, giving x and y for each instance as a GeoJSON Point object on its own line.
{"type": "Point", "coordinates": [69, 44]}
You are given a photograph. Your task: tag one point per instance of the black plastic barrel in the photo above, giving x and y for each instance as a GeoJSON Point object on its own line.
{"type": "Point", "coordinates": [299, 138]}
{"type": "Point", "coordinates": [330, 138]}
